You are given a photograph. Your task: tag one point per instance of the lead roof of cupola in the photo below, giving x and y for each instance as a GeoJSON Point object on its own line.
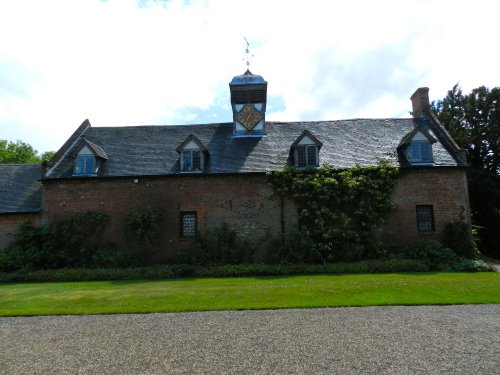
{"type": "Point", "coordinates": [248, 78]}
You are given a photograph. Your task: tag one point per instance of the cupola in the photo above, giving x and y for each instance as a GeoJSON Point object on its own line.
{"type": "Point", "coordinates": [248, 101]}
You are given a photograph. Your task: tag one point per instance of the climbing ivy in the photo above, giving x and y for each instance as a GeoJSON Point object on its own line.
{"type": "Point", "coordinates": [338, 209]}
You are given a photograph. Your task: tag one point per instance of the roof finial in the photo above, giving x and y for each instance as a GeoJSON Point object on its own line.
{"type": "Point", "coordinates": [248, 56]}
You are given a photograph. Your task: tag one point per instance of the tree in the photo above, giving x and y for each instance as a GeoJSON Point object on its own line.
{"type": "Point", "coordinates": [21, 152]}
{"type": "Point", "coordinates": [47, 155]}
{"type": "Point", "coordinates": [473, 120]}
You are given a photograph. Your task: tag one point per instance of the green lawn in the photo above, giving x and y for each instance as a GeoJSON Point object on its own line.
{"type": "Point", "coordinates": [109, 297]}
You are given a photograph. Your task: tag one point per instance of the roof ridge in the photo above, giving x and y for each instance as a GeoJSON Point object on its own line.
{"type": "Point", "coordinates": [21, 164]}
{"type": "Point", "coordinates": [276, 122]}
{"type": "Point", "coordinates": [162, 126]}
{"type": "Point", "coordinates": [342, 120]}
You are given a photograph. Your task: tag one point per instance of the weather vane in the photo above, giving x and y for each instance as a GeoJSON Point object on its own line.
{"type": "Point", "coordinates": [248, 56]}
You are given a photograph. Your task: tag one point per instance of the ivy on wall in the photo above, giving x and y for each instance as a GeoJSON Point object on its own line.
{"type": "Point", "coordinates": [338, 208]}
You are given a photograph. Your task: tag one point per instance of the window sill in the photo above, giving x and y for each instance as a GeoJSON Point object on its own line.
{"type": "Point", "coordinates": [430, 164]}
{"type": "Point", "coordinates": [249, 136]}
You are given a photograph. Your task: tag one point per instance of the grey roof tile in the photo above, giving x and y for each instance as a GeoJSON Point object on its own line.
{"type": "Point", "coordinates": [20, 188]}
{"type": "Point", "coordinates": [96, 149]}
{"type": "Point", "coordinates": [151, 150]}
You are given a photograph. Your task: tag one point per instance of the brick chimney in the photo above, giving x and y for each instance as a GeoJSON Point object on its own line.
{"type": "Point", "coordinates": [420, 102]}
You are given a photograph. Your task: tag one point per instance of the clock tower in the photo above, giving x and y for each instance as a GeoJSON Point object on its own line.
{"type": "Point", "coordinates": [248, 101]}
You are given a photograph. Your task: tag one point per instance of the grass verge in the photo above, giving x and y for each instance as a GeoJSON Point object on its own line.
{"type": "Point", "coordinates": [111, 297]}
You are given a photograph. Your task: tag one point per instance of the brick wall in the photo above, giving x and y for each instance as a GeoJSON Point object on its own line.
{"type": "Point", "coordinates": [444, 189]}
{"type": "Point", "coordinates": [243, 201]}
{"type": "Point", "coordinates": [9, 223]}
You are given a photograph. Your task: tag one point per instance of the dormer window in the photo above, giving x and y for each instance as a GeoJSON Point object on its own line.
{"type": "Point", "coordinates": [306, 156]}
{"type": "Point", "coordinates": [85, 165]}
{"type": "Point", "coordinates": [191, 160]}
{"type": "Point", "coordinates": [421, 151]}
{"type": "Point", "coordinates": [417, 147]}
{"type": "Point", "coordinates": [192, 155]}
{"type": "Point", "coordinates": [89, 159]}
{"type": "Point", "coordinates": [305, 150]}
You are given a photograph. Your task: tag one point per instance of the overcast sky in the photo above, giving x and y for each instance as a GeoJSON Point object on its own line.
{"type": "Point", "coordinates": [133, 62]}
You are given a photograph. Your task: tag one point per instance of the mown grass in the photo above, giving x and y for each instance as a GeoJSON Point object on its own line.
{"type": "Point", "coordinates": [110, 297]}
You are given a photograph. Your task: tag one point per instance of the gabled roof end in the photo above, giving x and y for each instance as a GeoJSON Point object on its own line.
{"type": "Point", "coordinates": [190, 138]}
{"type": "Point", "coordinates": [307, 133]}
{"type": "Point", "coordinates": [58, 156]}
{"type": "Point", "coordinates": [408, 137]}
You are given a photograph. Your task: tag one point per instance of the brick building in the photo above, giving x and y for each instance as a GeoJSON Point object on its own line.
{"type": "Point", "coordinates": [200, 176]}
{"type": "Point", "coordinates": [20, 198]}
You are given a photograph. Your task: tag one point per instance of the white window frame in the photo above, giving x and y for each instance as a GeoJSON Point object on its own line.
{"type": "Point", "coordinates": [190, 154]}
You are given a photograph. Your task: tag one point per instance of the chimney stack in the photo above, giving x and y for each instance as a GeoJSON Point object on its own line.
{"type": "Point", "coordinates": [420, 102]}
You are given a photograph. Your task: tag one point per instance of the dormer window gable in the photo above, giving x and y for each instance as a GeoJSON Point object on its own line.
{"type": "Point", "coordinates": [89, 159]}
{"type": "Point", "coordinates": [305, 150]}
{"type": "Point", "coordinates": [192, 155]}
{"type": "Point", "coordinates": [417, 147]}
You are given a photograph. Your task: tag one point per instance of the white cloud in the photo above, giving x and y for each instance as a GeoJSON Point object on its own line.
{"type": "Point", "coordinates": [162, 62]}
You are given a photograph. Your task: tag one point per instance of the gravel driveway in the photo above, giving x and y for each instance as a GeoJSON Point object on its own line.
{"type": "Point", "coordinates": [375, 340]}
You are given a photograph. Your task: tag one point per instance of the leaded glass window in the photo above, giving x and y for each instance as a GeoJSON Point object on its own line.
{"type": "Point", "coordinates": [188, 224]}
{"type": "Point", "coordinates": [421, 152]}
{"type": "Point", "coordinates": [85, 165]}
{"type": "Point", "coordinates": [311, 156]}
{"type": "Point", "coordinates": [425, 219]}
{"type": "Point", "coordinates": [307, 156]}
{"type": "Point", "coordinates": [301, 157]}
{"type": "Point", "coordinates": [196, 160]}
{"type": "Point", "coordinates": [192, 160]}
{"type": "Point", "coordinates": [187, 164]}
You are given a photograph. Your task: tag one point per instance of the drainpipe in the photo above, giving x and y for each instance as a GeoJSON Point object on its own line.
{"type": "Point", "coordinates": [282, 208]}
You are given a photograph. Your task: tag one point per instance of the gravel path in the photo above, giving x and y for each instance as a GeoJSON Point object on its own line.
{"type": "Point", "coordinates": [369, 340]}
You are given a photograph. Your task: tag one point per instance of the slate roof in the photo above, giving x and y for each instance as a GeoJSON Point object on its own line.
{"type": "Point", "coordinates": [151, 150]}
{"type": "Point", "coordinates": [20, 188]}
{"type": "Point", "coordinates": [96, 149]}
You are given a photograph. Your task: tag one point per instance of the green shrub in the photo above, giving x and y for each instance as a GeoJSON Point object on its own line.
{"type": "Point", "coordinates": [457, 236]}
{"type": "Point", "coordinates": [432, 253]}
{"type": "Point", "coordinates": [472, 265]}
{"type": "Point", "coordinates": [222, 245]}
{"type": "Point", "coordinates": [296, 247]}
{"type": "Point", "coordinates": [143, 224]}
{"type": "Point", "coordinates": [76, 242]}
{"type": "Point", "coordinates": [110, 256]}
{"type": "Point", "coordinates": [235, 270]}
